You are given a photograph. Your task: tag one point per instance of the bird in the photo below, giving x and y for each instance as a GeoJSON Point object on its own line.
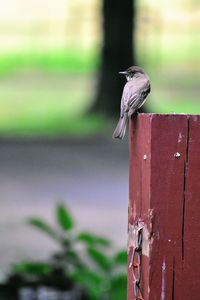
{"type": "Point", "coordinates": [134, 96]}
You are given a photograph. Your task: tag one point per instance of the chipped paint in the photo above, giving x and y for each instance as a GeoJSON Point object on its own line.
{"type": "Point", "coordinates": [132, 237]}
{"type": "Point", "coordinates": [195, 118]}
{"type": "Point", "coordinates": [162, 296]}
{"type": "Point", "coordinates": [180, 136]}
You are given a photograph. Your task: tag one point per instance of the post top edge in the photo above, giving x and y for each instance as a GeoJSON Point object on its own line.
{"type": "Point", "coordinates": [167, 114]}
{"type": "Point", "coordinates": [153, 116]}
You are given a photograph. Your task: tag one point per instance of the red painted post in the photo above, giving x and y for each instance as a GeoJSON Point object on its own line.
{"type": "Point", "coordinates": [165, 202]}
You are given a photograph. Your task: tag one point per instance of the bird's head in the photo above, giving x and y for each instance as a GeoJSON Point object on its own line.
{"type": "Point", "coordinates": [132, 72]}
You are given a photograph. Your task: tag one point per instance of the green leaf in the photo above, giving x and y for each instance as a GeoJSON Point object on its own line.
{"type": "Point", "coordinates": [73, 258]}
{"type": "Point", "coordinates": [99, 258]}
{"type": "Point", "coordinates": [93, 240]}
{"type": "Point", "coordinates": [71, 255]}
{"type": "Point", "coordinates": [120, 257]}
{"type": "Point", "coordinates": [41, 225]}
{"type": "Point", "coordinates": [118, 287]}
{"type": "Point", "coordinates": [29, 268]}
{"type": "Point", "coordinates": [91, 281]}
{"type": "Point", "coordinates": [64, 219]}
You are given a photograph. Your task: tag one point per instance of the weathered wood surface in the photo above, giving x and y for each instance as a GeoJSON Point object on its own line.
{"type": "Point", "coordinates": [165, 195]}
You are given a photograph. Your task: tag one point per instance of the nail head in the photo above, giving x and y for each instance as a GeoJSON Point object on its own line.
{"type": "Point", "coordinates": [177, 155]}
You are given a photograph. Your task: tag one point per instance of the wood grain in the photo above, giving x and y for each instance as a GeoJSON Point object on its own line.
{"type": "Point", "coordinates": [165, 194]}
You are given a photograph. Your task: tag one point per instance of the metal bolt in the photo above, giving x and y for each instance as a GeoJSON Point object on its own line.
{"type": "Point", "coordinates": [145, 157]}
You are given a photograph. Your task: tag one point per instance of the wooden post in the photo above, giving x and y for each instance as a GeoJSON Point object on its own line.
{"type": "Point", "coordinates": [165, 202]}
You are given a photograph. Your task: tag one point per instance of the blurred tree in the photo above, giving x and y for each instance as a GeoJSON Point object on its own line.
{"type": "Point", "coordinates": [117, 54]}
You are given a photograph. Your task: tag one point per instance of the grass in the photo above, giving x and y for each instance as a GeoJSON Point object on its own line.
{"type": "Point", "coordinates": [169, 49]}
{"type": "Point", "coordinates": [49, 93]}
{"type": "Point", "coordinates": [175, 90]}
{"type": "Point", "coordinates": [65, 60]}
{"type": "Point", "coordinates": [42, 103]}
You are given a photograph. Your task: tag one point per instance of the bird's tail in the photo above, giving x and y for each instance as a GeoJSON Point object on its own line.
{"type": "Point", "coordinates": [120, 129]}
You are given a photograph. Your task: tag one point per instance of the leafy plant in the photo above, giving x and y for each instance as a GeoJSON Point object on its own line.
{"type": "Point", "coordinates": [82, 257]}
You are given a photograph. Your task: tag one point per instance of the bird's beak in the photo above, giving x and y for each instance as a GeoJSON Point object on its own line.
{"type": "Point", "coordinates": [123, 73]}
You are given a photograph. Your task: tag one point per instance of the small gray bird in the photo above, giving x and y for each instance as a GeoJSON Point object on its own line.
{"type": "Point", "coordinates": [134, 95]}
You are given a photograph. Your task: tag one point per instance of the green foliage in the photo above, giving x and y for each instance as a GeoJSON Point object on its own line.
{"type": "Point", "coordinates": [32, 268]}
{"type": "Point", "coordinates": [42, 226]}
{"type": "Point", "coordinates": [100, 259]}
{"type": "Point", "coordinates": [73, 258]}
{"type": "Point", "coordinates": [64, 219]}
{"type": "Point", "coordinates": [121, 257]}
{"type": "Point", "coordinates": [93, 240]}
{"type": "Point", "coordinates": [103, 276]}
{"type": "Point", "coordinates": [91, 281]}
{"type": "Point", "coordinates": [118, 287]}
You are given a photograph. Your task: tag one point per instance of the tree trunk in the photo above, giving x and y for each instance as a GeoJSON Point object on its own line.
{"type": "Point", "coordinates": [117, 54]}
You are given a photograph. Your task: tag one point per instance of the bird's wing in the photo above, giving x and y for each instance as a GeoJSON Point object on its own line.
{"type": "Point", "coordinates": [134, 94]}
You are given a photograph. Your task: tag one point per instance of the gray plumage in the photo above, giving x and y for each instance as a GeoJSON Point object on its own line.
{"type": "Point", "coordinates": [133, 97]}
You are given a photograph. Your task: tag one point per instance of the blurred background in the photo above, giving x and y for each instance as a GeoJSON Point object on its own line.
{"type": "Point", "coordinates": [59, 101]}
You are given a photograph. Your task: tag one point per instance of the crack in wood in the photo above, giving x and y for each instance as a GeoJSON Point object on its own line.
{"type": "Point", "coordinates": [140, 190]}
{"type": "Point", "coordinates": [173, 279]}
{"type": "Point", "coordinates": [184, 185]}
